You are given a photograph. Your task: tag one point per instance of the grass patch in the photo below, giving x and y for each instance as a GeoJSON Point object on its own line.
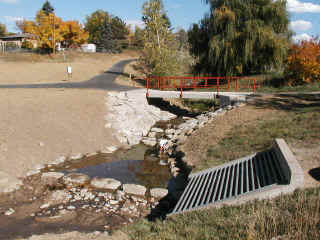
{"type": "Point", "coordinates": [295, 216]}
{"type": "Point", "coordinates": [301, 88]}
{"type": "Point", "coordinates": [199, 105]}
{"type": "Point", "coordinates": [301, 125]}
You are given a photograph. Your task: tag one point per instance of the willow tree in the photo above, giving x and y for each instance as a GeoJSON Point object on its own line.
{"type": "Point", "coordinates": [241, 37]}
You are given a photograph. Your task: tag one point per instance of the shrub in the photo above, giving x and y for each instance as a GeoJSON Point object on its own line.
{"type": "Point", "coordinates": [303, 65]}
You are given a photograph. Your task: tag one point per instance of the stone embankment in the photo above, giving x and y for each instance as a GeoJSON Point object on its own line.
{"type": "Point", "coordinates": [130, 115]}
{"type": "Point", "coordinates": [177, 136]}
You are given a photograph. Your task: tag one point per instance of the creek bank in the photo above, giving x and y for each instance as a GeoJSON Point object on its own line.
{"type": "Point", "coordinates": [131, 116]}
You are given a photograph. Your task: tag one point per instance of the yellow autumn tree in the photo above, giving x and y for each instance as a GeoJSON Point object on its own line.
{"type": "Point", "coordinates": [73, 34]}
{"type": "Point", "coordinates": [50, 29]}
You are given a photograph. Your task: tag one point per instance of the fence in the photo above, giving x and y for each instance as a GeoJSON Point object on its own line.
{"type": "Point", "coordinates": [193, 83]}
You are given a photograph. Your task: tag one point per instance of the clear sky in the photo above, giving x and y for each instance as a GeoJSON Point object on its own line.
{"type": "Point", "coordinates": [304, 14]}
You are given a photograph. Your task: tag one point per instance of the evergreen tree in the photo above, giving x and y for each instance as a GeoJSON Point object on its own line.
{"type": "Point", "coordinates": [47, 8]}
{"type": "Point", "coordinates": [106, 42]}
{"type": "Point", "coordinates": [241, 37]}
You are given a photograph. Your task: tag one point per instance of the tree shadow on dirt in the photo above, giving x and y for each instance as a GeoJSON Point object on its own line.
{"type": "Point", "coordinates": [288, 102]}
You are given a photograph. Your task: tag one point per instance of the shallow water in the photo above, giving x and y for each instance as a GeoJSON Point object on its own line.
{"type": "Point", "coordinates": [138, 165]}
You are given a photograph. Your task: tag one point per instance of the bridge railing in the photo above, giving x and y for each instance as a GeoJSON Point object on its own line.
{"type": "Point", "coordinates": [192, 83]}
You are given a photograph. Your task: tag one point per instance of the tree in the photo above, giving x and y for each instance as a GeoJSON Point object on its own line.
{"type": "Point", "coordinates": [241, 37]}
{"type": "Point", "coordinates": [94, 24]}
{"type": "Point", "coordinates": [3, 30]}
{"type": "Point", "coordinates": [139, 35]}
{"type": "Point", "coordinates": [303, 64]}
{"type": "Point", "coordinates": [106, 42]}
{"type": "Point", "coordinates": [160, 52]}
{"type": "Point", "coordinates": [73, 34]}
{"type": "Point", "coordinates": [119, 28]}
{"type": "Point", "coordinates": [182, 38]}
{"type": "Point", "coordinates": [47, 8]}
{"type": "Point", "coordinates": [50, 29]}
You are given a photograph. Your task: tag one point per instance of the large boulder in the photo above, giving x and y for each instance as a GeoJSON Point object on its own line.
{"type": "Point", "coordinates": [58, 197]}
{"type": "Point", "coordinates": [76, 180]}
{"type": "Point", "coordinates": [133, 189]}
{"type": "Point", "coordinates": [51, 179]}
{"type": "Point", "coordinates": [158, 193]}
{"type": "Point", "coordinates": [105, 184]}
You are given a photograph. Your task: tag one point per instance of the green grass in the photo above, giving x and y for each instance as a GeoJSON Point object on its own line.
{"type": "Point", "coordinates": [199, 105]}
{"type": "Point", "coordinates": [295, 216]}
{"type": "Point", "coordinates": [315, 87]}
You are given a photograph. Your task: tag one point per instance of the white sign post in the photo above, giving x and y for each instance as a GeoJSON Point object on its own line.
{"type": "Point", "coordinates": [69, 71]}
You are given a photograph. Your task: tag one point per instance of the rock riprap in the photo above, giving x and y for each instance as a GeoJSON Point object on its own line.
{"type": "Point", "coordinates": [131, 115]}
{"type": "Point", "coordinates": [105, 184]}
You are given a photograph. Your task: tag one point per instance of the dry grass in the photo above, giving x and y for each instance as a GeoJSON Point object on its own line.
{"type": "Point", "coordinates": [295, 216]}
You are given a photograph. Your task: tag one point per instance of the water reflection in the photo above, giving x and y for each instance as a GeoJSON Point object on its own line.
{"type": "Point", "coordinates": [128, 166]}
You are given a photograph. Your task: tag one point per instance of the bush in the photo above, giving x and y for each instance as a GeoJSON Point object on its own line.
{"type": "Point", "coordinates": [303, 65]}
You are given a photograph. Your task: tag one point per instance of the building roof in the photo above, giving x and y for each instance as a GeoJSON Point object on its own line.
{"type": "Point", "coordinates": [25, 35]}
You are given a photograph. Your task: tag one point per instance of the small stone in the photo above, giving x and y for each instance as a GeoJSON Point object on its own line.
{"type": "Point", "coordinates": [114, 202]}
{"type": "Point", "coordinates": [105, 183]}
{"type": "Point", "coordinates": [152, 135]}
{"type": "Point", "coordinates": [77, 156]}
{"type": "Point", "coordinates": [33, 172]}
{"type": "Point", "coordinates": [91, 154]}
{"type": "Point", "coordinates": [157, 130]}
{"type": "Point", "coordinates": [134, 189]}
{"type": "Point", "coordinates": [9, 212]}
{"type": "Point", "coordinates": [76, 179]}
{"type": "Point", "coordinates": [149, 142]}
{"type": "Point", "coordinates": [59, 160]}
{"type": "Point", "coordinates": [46, 205]}
{"type": "Point", "coordinates": [41, 144]}
{"type": "Point", "coordinates": [158, 193]}
{"type": "Point", "coordinates": [71, 207]}
{"type": "Point", "coordinates": [110, 149]}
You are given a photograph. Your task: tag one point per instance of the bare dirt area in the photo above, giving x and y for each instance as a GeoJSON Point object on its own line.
{"type": "Point", "coordinates": [39, 125]}
{"type": "Point", "coordinates": [19, 69]}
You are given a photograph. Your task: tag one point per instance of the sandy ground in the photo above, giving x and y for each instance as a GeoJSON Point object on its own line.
{"type": "Point", "coordinates": [48, 71]}
{"type": "Point", "coordinates": [39, 125]}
